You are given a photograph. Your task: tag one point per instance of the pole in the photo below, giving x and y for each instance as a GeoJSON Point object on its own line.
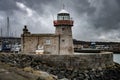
{"type": "Point", "coordinates": [8, 27]}
{"type": "Point", "coordinates": [1, 32]}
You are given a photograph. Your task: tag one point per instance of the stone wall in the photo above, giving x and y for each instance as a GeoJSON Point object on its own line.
{"type": "Point", "coordinates": [60, 43]}
{"type": "Point", "coordinates": [80, 61]}
{"type": "Point", "coordinates": [30, 43]}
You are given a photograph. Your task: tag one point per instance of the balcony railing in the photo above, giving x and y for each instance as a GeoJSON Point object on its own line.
{"type": "Point", "coordinates": [63, 23]}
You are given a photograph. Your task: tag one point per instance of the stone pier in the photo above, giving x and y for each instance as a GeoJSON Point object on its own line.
{"type": "Point", "coordinates": [76, 61]}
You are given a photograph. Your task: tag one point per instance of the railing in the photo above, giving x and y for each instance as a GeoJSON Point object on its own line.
{"type": "Point", "coordinates": [63, 23]}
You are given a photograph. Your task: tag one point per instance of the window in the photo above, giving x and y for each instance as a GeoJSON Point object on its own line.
{"type": "Point", "coordinates": [63, 40]}
{"type": "Point", "coordinates": [63, 29]}
{"type": "Point", "coordinates": [63, 17]}
{"type": "Point", "coordinates": [60, 17]}
{"type": "Point", "coordinates": [48, 41]}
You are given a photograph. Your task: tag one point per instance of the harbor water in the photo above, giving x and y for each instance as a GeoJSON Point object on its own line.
{"type": "Point", "coordinates": [116, 58]}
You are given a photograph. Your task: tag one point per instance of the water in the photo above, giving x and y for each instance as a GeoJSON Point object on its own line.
{"type": "Point", "coordinates": [116, 58]}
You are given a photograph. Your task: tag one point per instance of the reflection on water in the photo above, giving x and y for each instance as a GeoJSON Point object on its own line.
{"type": "Point", "coordinates": [116, 58]}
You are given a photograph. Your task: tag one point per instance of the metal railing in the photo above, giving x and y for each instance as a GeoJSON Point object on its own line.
{"type": "Point", "coordinates": [63, 23]}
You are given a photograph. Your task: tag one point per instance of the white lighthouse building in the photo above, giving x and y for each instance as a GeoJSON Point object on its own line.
{"type": "Point", "coordinates": [63, 26]}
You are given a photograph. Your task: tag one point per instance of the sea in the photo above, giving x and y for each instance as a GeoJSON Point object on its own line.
{"type": "Point", "coordinates": [116, 58]}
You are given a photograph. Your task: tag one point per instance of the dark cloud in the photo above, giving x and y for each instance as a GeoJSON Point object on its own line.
{"type": "Point", "coordinates": [8, 6]}
{"type": "Point", "coordinates": [40, 5]}
{"type": "Point", "coordinates": [108, 17]}
{"type": "Point", "coordinates": [83, 6]}
{"type": "Point", "coordinates": [94, 19]}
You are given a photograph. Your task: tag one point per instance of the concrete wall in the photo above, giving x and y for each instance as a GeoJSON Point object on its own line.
{"type": "Point", "coordinates": [80, 61]}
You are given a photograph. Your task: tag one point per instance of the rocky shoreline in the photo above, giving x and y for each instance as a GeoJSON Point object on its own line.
{"type": "Point", "coordinates": [22, 61]}
{"type": "Point", "coordinates": [8, 72]}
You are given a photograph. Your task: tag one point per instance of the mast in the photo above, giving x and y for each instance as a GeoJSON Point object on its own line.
{"type": "Point", "coordinates": [1, 32]}
{"type": "Point", "coordinates": [8, 27]}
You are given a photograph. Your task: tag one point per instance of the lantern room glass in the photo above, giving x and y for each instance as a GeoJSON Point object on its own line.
{"type": "Point", "coordinates": [63, 17]}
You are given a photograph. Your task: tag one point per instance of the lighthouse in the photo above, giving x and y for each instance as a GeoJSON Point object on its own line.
{"type": "Point", "coordinates": [63, 26]}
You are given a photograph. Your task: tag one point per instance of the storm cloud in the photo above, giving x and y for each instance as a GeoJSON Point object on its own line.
{"type": "Point", "coordinates": [93, 19]}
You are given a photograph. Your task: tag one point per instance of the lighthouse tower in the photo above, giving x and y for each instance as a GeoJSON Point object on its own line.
{"type": "Point", "coordinates": [63, 26]}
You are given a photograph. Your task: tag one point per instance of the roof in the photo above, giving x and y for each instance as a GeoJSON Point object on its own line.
{"type": "Point", "coordinates": [63, 11]}
{"type": "Point", "coordinates": [44, 35]}
{"type": "Point", "coordinates": [41, 35]}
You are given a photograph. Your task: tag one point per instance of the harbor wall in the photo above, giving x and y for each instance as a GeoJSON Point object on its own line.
{"type": "Point", "coordinates": [77, 61]}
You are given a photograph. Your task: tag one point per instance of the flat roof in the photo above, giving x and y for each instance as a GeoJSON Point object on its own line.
{"type": "Point", "coordinates": [42, 35]}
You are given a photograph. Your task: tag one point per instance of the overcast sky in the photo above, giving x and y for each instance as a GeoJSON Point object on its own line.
{"type": "Point", "coordinates": [93, 19]}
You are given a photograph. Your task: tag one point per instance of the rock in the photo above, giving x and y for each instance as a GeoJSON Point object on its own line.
{"type": "Point", "coordinates": [12, 73]}
{"type": "Point", "coordinates": [64, 79]}
{"type": "Point", "coordinates": [28, 69]}
{"type": "Point", "coordinates": [34, 66]}
{"type": "Point", "coordinates": [45, 76]}
{"type": "Point", "coordinates": [42, 75]}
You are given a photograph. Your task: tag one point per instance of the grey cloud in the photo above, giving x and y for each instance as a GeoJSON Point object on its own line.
{"type": "Point", "coordinates": [93, 18]}
{"type": "Point", "coordinates": [7, 6]}
{"type": "Point", "coordinates": [108, 17]}
{"type": "Point", "coordinates": [39, 5]}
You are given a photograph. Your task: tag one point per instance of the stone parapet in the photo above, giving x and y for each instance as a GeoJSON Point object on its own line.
{"type": "Point", "coordinates": [77, 61]}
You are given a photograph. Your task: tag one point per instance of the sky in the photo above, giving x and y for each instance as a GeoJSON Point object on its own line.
{"type": "Point", "coordinates": [94, 20]}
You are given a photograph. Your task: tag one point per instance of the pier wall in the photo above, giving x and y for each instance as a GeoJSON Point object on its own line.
{"type": "Point", "coordinates": [77, 61]}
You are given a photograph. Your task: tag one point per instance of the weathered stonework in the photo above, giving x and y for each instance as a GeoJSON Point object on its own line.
{"type": "Point", "coordinates": [30, 42]}
{"type": "Point", "coordinates": [99, 66]}
{"type": "Point", "coordinates": [77, 61]}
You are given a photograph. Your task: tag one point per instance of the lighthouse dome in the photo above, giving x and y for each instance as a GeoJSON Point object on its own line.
{"type": "Point", "coordinates": [63, 11]}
